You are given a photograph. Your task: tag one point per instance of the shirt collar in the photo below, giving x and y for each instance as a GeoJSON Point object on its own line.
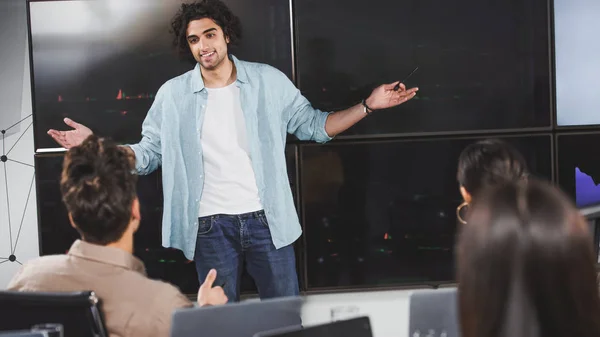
{"type": "Point", "coordinates": [107, 255]}
{"type": "Point", "coordinates": [197, 82]}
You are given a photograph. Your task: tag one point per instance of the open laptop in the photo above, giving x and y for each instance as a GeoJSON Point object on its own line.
{"type": "Point", "coordinates": [434, 313]}
{"type": "Point", "coordinates": [23, 333]}
{"type": "Point", "coordinates": [242, 319]}
{"type": "Point", "coordinates": [355, 327]}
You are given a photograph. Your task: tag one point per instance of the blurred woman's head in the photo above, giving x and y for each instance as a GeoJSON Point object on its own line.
{"type": "Point", "coordinates": [485, 164]}
{"type": "Point", "coordinates": [526, 265]}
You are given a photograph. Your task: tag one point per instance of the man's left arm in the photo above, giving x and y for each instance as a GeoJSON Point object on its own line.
{"type": "Point", "coordinates": [308, 123]}
{"type": "Point", "coordinates": [382, 97]}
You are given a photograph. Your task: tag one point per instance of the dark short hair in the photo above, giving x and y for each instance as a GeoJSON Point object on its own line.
{"type": "Point", "coordinates": [526, 265]}
{"type": "Point", "coordinates": [212, 9]}
{"type": "Point", "coordinates": [98, 187]}
{"type": "Point", "coordinates": [488, 163]}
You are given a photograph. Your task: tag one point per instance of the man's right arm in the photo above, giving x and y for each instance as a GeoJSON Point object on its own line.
{"type": "Point", "coordinates": [147, 153]}
{"type": "Point", "coordinates": [171, 299]}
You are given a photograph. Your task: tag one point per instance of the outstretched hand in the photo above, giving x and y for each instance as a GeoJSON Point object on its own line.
{"type": "Point", "coordinates": [68, 139]}
{"type": "Point", "coordinates": [384, 96]}
{"type": "Point", "coordinates": [207, 295]}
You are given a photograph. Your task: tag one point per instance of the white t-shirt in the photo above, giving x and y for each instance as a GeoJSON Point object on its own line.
{"type": "Point", "coordinates": [229, 181]}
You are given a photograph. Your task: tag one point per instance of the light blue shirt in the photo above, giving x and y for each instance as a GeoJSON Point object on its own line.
{"type": "Point", "coordinates": [272, 107]}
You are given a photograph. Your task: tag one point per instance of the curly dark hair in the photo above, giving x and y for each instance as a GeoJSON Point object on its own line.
{"type": "Point", "coordinates": [212, 9]}
{"type": "Point", "coordinates": [98, 187]}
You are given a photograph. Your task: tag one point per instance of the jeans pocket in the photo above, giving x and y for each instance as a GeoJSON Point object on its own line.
{"type": "Point", "coordinates": [263, 219]}
{"type": "Point", "coordinates": [205, 224]}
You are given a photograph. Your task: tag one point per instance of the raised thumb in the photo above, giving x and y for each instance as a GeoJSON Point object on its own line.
{"type": "Point", "coordinates": [210, 279]}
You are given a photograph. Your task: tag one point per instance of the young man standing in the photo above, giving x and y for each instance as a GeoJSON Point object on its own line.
{"type": "Point", "coordinates": [219, 133]}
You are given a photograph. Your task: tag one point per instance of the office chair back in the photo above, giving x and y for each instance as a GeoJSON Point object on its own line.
{"type": "Point", "coordinates": [78, 312]}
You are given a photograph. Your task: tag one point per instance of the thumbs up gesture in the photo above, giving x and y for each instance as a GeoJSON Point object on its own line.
{"type": "Point", "coordinates": [207, 295]}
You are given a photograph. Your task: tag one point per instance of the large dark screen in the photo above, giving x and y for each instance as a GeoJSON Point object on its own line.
{"type": "Point", "coordinates": [57, 235]}
{"type": "Point", "coordinates": [482, 64]}
{"type": "Point", "coordinates": [579, 167]}
{"type": "Point", "coordinates": [101, 62]}
{"type": "Point", "coordinates": [383, 213]}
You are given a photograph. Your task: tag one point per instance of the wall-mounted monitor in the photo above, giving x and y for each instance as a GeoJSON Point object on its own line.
{"type": "Point", "coordinates": [578, 157]}
{"type": "Point", "coordinates": [577, 54]}
{"type": "Point", "coordinates": [482, 64]}
{"type": "Point", "coordinates": [384, 213]}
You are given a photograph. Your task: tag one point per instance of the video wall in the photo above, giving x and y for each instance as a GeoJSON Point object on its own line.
{"type": "Point", "coordinates": [377, 204]}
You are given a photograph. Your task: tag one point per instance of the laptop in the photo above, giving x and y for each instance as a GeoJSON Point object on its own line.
{"type": "Point", "coordinates": [355, 327]}
{"type": "Point", "coordinates": [243, 319]}
{"type": "Point", "coordinates": [23, 333]}
{"type": "Point", "coordinates": [434, 313]}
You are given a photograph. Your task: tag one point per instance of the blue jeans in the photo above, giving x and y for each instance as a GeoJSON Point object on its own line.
{"type": "Point", "coordinates": [226, 241]}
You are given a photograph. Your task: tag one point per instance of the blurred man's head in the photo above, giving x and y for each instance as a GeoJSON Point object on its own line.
{"type": "Point", "coordinates": [98, 187]}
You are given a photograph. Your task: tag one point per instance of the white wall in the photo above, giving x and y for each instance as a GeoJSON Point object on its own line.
{"type": "Point", "coordinates": [13, 30]}
{"type": "Point", "coordinates": [18, 213]}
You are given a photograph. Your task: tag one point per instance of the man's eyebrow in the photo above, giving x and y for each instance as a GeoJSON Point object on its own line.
{"type": "Point", "coordinates": [204, 32]}
{"type": "Point", "coordinates": [208, 30]}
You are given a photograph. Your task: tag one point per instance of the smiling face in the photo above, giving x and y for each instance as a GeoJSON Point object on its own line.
{"type": "Point", "coordinates": [207, 42]}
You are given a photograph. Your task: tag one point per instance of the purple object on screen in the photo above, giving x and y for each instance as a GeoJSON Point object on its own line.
{"type": "Point", "coordinates": [587, 192]}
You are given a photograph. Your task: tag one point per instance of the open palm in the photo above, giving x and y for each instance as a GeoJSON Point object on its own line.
{"type": "Point", "coordinates": [389, 95]}
{"type": "Point", "coordinates": [68, 139]}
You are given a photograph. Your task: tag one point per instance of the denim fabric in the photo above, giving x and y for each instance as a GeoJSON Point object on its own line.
{"type": "Point", "coordinates": [226, 242]}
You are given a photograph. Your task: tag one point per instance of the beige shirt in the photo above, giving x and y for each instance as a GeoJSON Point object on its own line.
{"type": "Point", "coordinates": [133, 304]}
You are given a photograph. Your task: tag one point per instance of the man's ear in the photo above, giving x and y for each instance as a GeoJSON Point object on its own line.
{"type": "Point", "coordinates": [136, 216]}
{"type": "Point", "coordinates": [135, 209]}
{"type": "Point", "coordinates": [227, 39]}
{"type": "Point", "coordinates": [75, 226]}
{"type": "Point", "coordinates": [72, 222]}
{"type": "Point", "coordinates": [465, 194]}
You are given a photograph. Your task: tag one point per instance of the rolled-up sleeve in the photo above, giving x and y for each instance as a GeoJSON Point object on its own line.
{"type": "Point", "coordinates": [304, 121]}
{"type": "Point", "coordinates": [148, 156]}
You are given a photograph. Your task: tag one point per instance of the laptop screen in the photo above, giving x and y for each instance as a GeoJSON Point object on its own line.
{"type": "Point", "coordinates": [356, 327]}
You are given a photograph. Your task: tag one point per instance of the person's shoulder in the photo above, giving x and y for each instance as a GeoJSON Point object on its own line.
{"type": "Point", "coordinates": [37, 270]}
{"type": "Point", "coordinates": [48, 262]}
